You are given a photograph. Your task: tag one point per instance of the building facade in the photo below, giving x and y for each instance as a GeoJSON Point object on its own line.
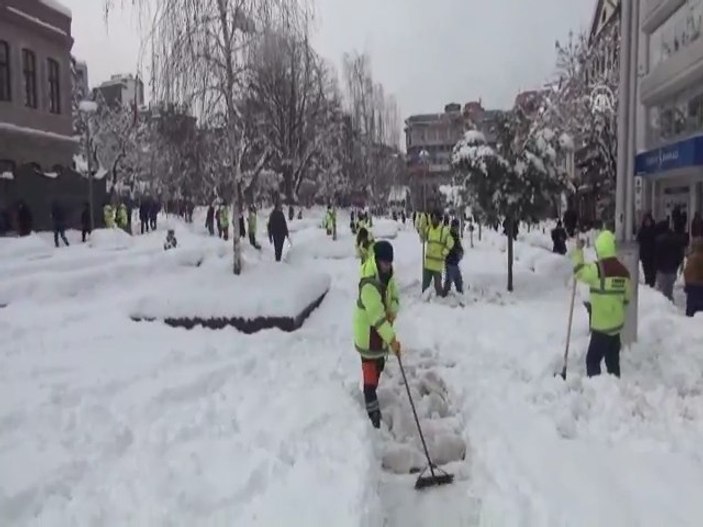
{"type": "Point", "coordinates": [430, 140]}
{"type": "Point", "coordinates": [35, 86]}
{"type": "Point", "coordinates": [36, 122]}
{"type": "Point", "coordinates": [669, 166]}
{"type": "Point", "coordinates": [122, 90]}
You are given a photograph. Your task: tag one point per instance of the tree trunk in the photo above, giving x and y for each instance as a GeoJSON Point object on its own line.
{"type": "Point", "coordinates": [509, 225]}
{"type": "Point", "coordinates": [479, 231]}
{"type": "Point", "coordinates": [235, 147]}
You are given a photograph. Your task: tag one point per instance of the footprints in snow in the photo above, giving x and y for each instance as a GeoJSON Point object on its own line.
{"type": "Point", "coordinates": [398, 444]}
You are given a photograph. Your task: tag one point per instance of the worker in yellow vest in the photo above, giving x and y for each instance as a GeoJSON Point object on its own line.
{"type": "Point", "coordinates": [438, 242]}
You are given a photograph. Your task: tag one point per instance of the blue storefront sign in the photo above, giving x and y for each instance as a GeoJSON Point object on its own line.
{"type": "Point", "coordinates": [686, 153]}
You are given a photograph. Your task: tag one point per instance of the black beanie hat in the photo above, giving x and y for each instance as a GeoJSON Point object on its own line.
{"type": "Point", "coordinates": [383, 251]}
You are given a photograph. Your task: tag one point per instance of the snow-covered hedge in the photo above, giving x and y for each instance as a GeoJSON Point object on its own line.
{"type": "Point", "coordinates": [269, 295]}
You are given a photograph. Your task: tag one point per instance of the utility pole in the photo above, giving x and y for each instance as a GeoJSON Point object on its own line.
{"type": "Point", "coordinates": [624, 189]}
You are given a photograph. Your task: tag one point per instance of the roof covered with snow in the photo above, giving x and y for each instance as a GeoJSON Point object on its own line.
{"type": "Point", "coordinates": [58, 7]}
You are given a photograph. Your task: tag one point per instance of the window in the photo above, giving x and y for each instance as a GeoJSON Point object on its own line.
{"type": "Point", "coordinates": [5, 91]}
{"type": "Point", "coordinates": [54, 87]}
{"type": "Point", "coordinates": [29, 67]}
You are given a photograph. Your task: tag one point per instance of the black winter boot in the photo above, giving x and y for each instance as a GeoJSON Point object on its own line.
{"type": "Point", "coordinates": [375, 417]}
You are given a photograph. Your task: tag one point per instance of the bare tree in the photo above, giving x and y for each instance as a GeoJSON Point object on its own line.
{"type": "Point", "coordinates": [200, 53]}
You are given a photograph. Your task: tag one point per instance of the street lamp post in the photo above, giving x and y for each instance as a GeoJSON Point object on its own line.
{"type": "Point", "coordinates": [425, 160]}
{"type": "Point", "coordinates": [624, 191]}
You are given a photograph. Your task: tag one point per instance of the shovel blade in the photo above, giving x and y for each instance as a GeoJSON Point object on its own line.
{"type": "Point", "coordinates": [424, 482]}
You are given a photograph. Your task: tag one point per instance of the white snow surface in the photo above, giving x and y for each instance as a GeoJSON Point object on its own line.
{"type": "Point", "coordinates": [105, 421]}
{"type": "Point", "coordinates": [88, 106]}
{"type": "Point", "coordinates": [7, 175]}
{"type": "Point", "coordinates": [110, 239]}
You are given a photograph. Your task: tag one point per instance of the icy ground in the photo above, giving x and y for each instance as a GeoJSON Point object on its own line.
{"type": "Point", "coordinates": [105, 421]}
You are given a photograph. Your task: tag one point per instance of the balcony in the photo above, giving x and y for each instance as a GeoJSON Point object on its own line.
{"type": "Point", "coordinates": [681, 70]}
{"type": "Point", "coordinates": [656, 12]}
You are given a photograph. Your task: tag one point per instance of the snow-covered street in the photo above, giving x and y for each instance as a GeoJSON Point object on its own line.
{"type": "Point", "coordinates": [109, 421]}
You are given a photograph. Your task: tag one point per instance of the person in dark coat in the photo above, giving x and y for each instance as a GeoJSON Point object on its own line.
{"type": "Point", "coordinates": [277, 230]}
{"type": "Point", "coordinates": [58, 218]}
{"type": "Point", "coordinates": [154, 208]}
{"type": "Point", "coordinates": [85, 221]}
{"type": "Point", "coordinates": [571, 222]}
{"type": "Point", "coordinates": [242, 227]}
{"type": "Point", "coordinates": [669, 257]}
{"type": "Point", "coordinates": [646, 238]}
{"type": "Point", "coordinates": [697, 226]}
{"type": "Point", "coordinates": [693, 278]}
{"type": "Point", "coordinates": [210, 220]}
{"type": "Point", "coordinates": [559, 238]}
{"type": "Point", "coordinates": [452, 274]}
{"type": "Point", "coordinates": [144, 208]}
{"type": "Point", "coordinates": [25, 221]}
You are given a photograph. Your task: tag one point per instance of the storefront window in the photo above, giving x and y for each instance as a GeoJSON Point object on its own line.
{"type": "Point", "coordinates": [680, 30]}
{"type": "Point", "coordinates": [678, 118]}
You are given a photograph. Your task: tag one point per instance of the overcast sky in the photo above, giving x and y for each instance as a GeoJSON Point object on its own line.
{"type": "Point", "coordinates": [426, 52]}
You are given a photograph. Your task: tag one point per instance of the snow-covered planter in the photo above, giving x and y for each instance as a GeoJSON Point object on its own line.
{"type": "Point", "coordinates": [268, 296]}
{"type": "Point", "coordinates": [110, 240]}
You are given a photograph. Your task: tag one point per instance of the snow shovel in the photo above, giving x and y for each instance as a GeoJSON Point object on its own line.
{"type": "Point", "coordinates": [568, 331]}
{"type": "Point", "coordinates": [437, 476]}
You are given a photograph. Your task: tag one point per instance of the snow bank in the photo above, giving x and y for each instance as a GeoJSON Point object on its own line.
{"type": "Point", "coordinates": [88, 106]}
{"type": "Point", "coordinates": [322, 249]}
{"type": "Point", "coordinates": [385, 229]}
{"type": "Point", "coordinates": [267, 291]}
{"type": "Point", "coordinates": [110, 240]}
{"type": "Point", "coordinates": [27, 247]}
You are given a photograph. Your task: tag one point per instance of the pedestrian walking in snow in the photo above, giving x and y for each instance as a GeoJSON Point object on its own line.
{"type": "Point", "coordinates": [144, 216]}
{"type": "Point", "coordinates": [171, 242]}
{"type": "Point", "coordinates": [252, 228]}
{"type": "Point", "coordinates": [559, 238]}
{"type": "Point", "coordinates": [376, 310]}
{"type": "Point", "coordinates": [154, 208]}
{"type": "Point", "coordinates": [693, 278]}
{"type": "Point", "coordinates": [223, 222]}
{"type": "Point", "coordinates": [277, 230]}
{"type": "Point", "coordinates": [670, 249]}
{"type": "Point", "coordinates": [364, 244]}
{"type": "Point", "coordinates": [58, 218]}
{"type": "Point", "coordinates": [25, 220]}
{"type": "Point", "coordinates": [439, 242]}
{"type": "Point", "coordinates": [646, 238]}
{"type": "Point", "coordinates": [210, 220]}
{"type": "Point", "coordinates": [85, 222]}
{"type": "Point", "coordinates": [609, 282]}
{"type": "Point", "coordinates": [452, 273]}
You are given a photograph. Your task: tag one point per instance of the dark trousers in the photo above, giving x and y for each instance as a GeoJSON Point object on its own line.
{"type": "Point", "coordinates": [59, 232]}
{"type": "Point", "coordinates": [452, 276]}
{"type": "Point", "coordinates": [145, 226]}
{"type": "Point", "coordinates": [252, 241]}
{"type": "Point", "coordinates": [432, 276]}
{"type": "Point", "coordinates": [85, 232]}
{"type": "Point", "coordinates": [278, 247]}
{"type": "Point", "coordinates": [372, 369]}
{"type": "Point", "coordinates": [601, 347]}
{"type": "Point", "coordinates": [650, 272]}
{"type": "Point", "coordinates": [152, 223]}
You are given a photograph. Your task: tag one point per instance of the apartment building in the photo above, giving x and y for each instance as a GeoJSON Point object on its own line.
{"type": "Point", "coordinates": [36, 122]}
{"type": "Point", "coordinates": [670, 91]}
{"type": "Point", "coordinates": [35, 86]}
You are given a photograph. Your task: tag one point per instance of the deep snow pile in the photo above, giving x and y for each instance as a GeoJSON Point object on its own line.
{"type": "Point", "coordinates": [110, 239]}
{"type": "Point", "coordinates": [26, 248]}
{"type": "Point", "coordinates": [108, 421]}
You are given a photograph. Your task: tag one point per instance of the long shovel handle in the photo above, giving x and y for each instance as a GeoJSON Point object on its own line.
{"type": "Point", "coordinates": [568, 331]}
{"type": "Point", "coordinates": [417, 420]}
